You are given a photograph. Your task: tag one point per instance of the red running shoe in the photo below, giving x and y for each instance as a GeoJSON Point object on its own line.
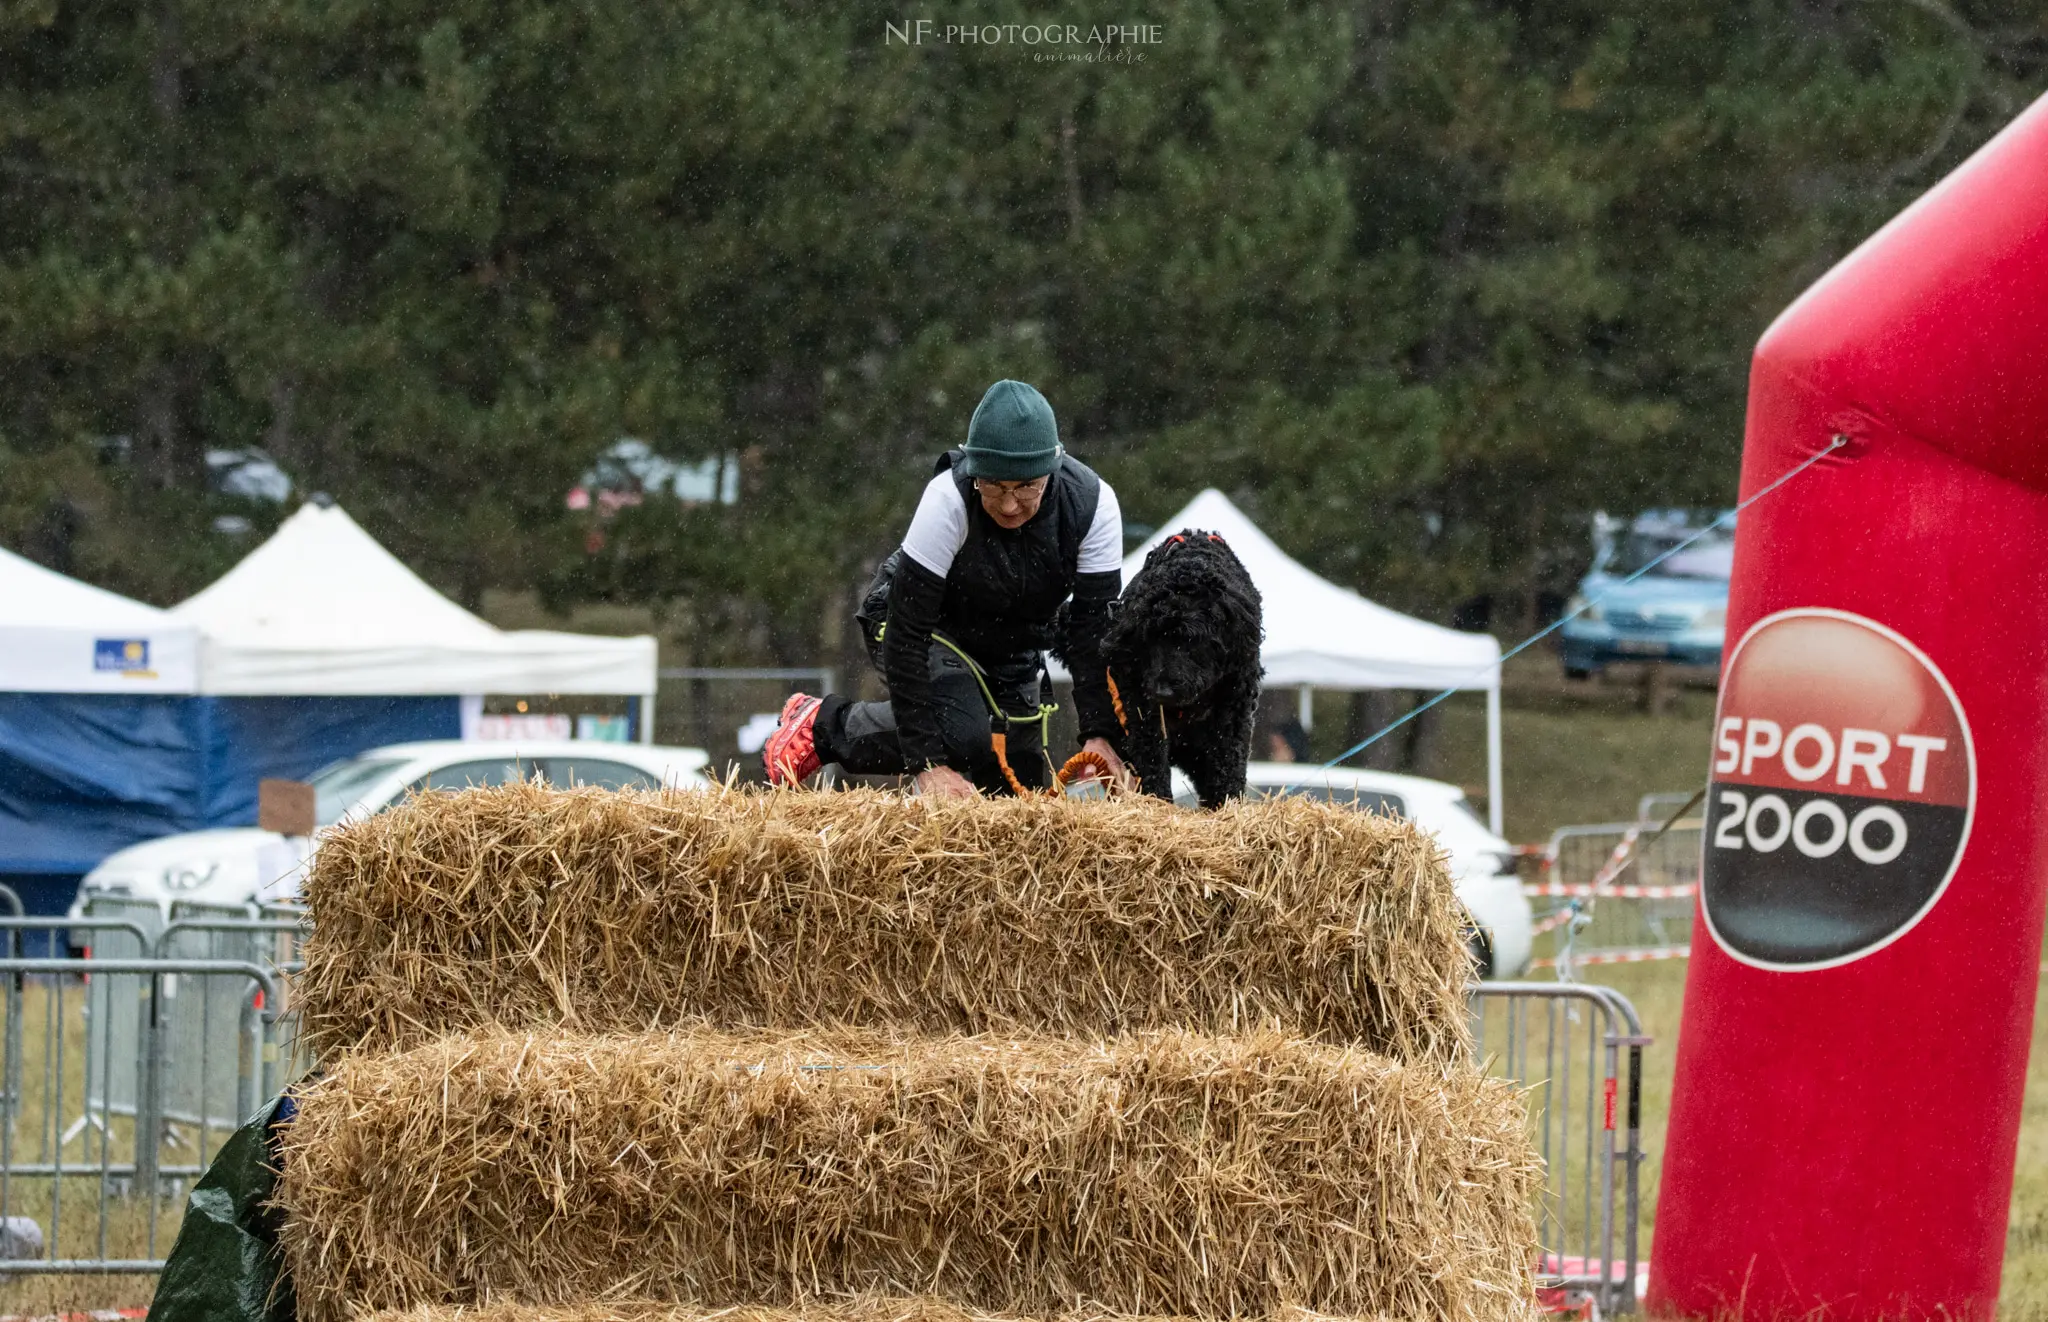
{"type": "Point", "coordinates": [791, 753]}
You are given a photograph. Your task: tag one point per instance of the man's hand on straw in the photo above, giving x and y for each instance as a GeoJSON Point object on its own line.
{"type": "Point", "coordinates": [1119, 776]}
{"type": "Point", "coordinates": [944, 783]}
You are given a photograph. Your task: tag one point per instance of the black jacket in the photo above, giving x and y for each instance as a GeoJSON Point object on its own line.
{"type": "Point", "coordinates": [998, 603]}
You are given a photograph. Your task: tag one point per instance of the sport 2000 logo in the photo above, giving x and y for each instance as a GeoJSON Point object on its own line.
{"type": "Point", "coordinates": [1842, 791]}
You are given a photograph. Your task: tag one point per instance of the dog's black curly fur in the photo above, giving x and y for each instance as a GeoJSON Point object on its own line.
{"type": "Point", "coordinates": [1183, 651]}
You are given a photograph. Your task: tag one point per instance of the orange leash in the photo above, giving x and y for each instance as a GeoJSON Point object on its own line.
{"type": "Point", "coordinates": [1088, 761]}
{"type": "Point", "coordinates": [1001, 743]}
{"type": "Point", "coordinates": [1084, 765]}
{"type": "Point", "coordinates": [1085, 761]}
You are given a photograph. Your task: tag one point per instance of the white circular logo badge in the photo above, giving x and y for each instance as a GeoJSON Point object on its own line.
{"type": "Point", "coordinates": [1841, 794]}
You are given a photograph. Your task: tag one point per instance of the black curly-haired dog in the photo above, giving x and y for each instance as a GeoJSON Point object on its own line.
{"type": "Point", "coordinates": [1183, 655]}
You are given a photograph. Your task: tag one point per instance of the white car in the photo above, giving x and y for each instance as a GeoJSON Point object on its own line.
{"type": "Point", "coordinates": [1482, 864]}
{"type": "Point", "coordinates": [240, 865]}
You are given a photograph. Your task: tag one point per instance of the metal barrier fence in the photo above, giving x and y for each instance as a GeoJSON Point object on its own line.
{"type": "Point", "coordinates": [1618, 891]}
{"type": "Point", "coordinates": [1579, 1052]}
{"type": "Point", "coordinates": [199, 1024]}
{"type": "Point", "coordinates": [115, 1017]}
{"type": "Point", "coordinates": [88, 1184]}
{"type": "Point", "coordinates": [205, 1023]}
{"type": "Point", "coordinates": [125, 1072]}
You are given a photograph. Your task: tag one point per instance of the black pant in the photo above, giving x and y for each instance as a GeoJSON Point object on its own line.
{"type": "Point", "coordinates": [861, 736]}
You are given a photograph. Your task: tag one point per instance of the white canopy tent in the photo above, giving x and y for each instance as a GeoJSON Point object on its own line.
{"type": "Point", "coordinates": [322, 609]}
{"type": "Point", "coordinates": [58, 635]}
{"type": "Point", "coordinates": [1319, 635]}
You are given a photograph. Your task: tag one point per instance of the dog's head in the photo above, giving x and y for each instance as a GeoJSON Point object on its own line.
{"type": "Point", "coordinates": [1187, 629]}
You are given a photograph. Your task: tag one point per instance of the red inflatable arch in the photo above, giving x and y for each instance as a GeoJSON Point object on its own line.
{"type": "Point", "coordinates": [1861, 993]}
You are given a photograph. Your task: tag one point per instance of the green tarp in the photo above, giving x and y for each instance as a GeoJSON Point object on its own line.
{"type": "Point", "coordinates": [224, 1266]}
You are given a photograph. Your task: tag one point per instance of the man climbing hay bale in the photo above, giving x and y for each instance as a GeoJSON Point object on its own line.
{"type": "Point", "coordinates": [959, 617]}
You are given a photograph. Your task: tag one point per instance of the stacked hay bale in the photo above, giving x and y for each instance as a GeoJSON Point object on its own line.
{"type": "Point", "coordinates": [857, 1057]}
{"type": "Point", "coordinates": [866, 1308]}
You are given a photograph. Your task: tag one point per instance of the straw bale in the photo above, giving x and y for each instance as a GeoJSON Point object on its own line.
{"type": "Point", "coordinates": [1162, 1172]}
{"type": "Point", "coordinates": [600, 911]}
{"type": "Point", "coordinates": [860, 1308]}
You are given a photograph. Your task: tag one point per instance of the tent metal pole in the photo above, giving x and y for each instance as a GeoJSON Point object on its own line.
{"type": "Point", "coordinates": [1493, 777]}
{"type": "Point", "coordinates": [1305, 707]}
{"type": "Point", "coordinates": [647, 718]}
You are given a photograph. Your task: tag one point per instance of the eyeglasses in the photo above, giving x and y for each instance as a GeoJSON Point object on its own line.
{"type": "Point", "coordinates": [1012, 493]}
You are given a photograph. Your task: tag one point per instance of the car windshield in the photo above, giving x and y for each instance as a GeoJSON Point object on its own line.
{"type": "Point", "coordinates": [1711, 557]}
{"type": "Point", "coordinates": [1470, 813]}
{"type": "Point", "coordinates": [336, 789]}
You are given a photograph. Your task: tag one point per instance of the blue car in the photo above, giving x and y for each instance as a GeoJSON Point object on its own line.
{"type": "Point", "coordinates": [1677, 613]}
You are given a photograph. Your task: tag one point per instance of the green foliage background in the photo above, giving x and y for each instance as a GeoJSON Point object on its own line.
{"type": "Point", "coordinates": [1418, 284]}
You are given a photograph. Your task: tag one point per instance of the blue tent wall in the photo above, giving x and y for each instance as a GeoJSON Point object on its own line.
{"type": "Point", "coordinates": [82, 775]}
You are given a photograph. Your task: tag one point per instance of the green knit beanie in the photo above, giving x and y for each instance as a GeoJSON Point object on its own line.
{"type": "Point", "coordinates": [1012, 436]}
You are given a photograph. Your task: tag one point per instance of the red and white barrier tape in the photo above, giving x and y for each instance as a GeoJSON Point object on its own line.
{"type": "Point", "coordinates": [1617, 860]}
{"type": "Point", "coordinates": [1599, 892]}
{"type": "Point", "coordinates": [1589, 1270]}
{"type": "Point", "coordinates": [96, 1315]}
